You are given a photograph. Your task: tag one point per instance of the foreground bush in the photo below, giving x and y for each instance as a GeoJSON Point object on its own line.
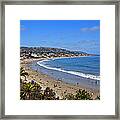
{"type": "Point", "coordinates": [33, 91]}
{"type": "Point", "coordinates": [80, 95]}
{"type": "Point", "coordinates": [83, 95]}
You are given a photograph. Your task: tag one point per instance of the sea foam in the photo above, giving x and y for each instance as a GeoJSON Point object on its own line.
{"type": "Point", "coordinates": [89, 76]}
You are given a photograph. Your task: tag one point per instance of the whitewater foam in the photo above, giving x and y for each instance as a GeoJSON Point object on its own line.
{"type": "Point", "coordinates": [67, 71]}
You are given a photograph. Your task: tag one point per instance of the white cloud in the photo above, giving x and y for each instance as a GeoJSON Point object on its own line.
{"type": "Point", "coordinates": [94, 28]}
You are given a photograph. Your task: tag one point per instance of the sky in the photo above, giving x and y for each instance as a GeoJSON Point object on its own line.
{"type": "Point", "coordinates": [79, 35]}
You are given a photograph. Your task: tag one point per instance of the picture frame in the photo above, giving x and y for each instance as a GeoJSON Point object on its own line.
{"type": "Point", "coordinates": [2, 56]}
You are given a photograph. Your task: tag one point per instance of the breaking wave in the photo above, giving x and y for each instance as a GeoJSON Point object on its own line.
{"type": "Point", "coordinates": [89, 76]}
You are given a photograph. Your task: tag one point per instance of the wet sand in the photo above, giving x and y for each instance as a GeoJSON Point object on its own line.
{"type": "Point", "coordinates": [61, 88]}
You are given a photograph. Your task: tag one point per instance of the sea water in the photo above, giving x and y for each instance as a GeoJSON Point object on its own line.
{"type": "Point", "coordinates": [83, 70]}
{"type": "Point", "coordinates": [88, 67]}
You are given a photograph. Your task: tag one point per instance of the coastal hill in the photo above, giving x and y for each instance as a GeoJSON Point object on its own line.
{"type": "Point", "coordinates": [46, 52]}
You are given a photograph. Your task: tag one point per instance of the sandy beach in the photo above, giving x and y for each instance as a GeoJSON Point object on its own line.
{"type": "Point", "coordinates": [61, 88]}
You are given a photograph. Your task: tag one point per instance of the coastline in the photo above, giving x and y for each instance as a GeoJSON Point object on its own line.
{"type": "Point", "coordinates": [89, 76]}
{"type": "Point", "coordinates": [61, 88]}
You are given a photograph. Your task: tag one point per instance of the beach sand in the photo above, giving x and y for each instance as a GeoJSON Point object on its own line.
{"type": "Point", "coordinates": [61, 88]}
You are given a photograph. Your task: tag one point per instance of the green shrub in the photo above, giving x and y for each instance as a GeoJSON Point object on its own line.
{"type": "Point", "coordinates": [80, 95]}
{"type": "Point", "coordinates": [69, 96]}
{"type": "Point", "coordinates": [30, 91]}
{"type": "Point", "coordinates": [33, 91]}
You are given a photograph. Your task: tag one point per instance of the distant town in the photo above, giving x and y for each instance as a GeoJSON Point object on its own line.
{"type": "Point", "coordinates": [45, 52]}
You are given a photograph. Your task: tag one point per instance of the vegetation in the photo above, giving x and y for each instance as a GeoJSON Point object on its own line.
{"type": "Point", "coordinates": [30, 91]}
{"type": "Point", "coordinates": [83, 95]}
{"type": "Point", "coordinates": [23, 73]}
{"type": "Point", "coordinates": [80, 95]}
{"type": "Point", "coordinates": [69, 96]}
{"type": "Point", "coordinates": [33, 91]}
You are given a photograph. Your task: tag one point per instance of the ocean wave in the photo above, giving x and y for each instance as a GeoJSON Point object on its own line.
{"type": "Point", "coordinates": [70, 72]}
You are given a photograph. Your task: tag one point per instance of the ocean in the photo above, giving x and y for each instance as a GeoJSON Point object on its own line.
{"type": "Point", "coordinates": [84, 70]}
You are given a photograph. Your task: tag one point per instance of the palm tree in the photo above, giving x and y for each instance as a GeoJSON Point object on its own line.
{"type": "Point", "coordinates": [23, 73]}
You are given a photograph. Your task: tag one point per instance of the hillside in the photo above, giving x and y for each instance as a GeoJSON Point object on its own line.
{"type": "Point", "coordinates": [49, 52]}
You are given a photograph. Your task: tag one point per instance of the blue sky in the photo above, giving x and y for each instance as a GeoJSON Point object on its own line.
{"type": "Point", "coordinates": [81, 35]}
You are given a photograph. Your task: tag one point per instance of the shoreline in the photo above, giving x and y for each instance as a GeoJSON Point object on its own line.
{"type": "Point", "coordinates": [44, 80]}
{"type": "Point", "coordinates": [89, 76]}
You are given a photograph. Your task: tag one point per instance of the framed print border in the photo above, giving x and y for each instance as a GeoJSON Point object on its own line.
{"type": "Point", "coordinates": [2, 59]}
